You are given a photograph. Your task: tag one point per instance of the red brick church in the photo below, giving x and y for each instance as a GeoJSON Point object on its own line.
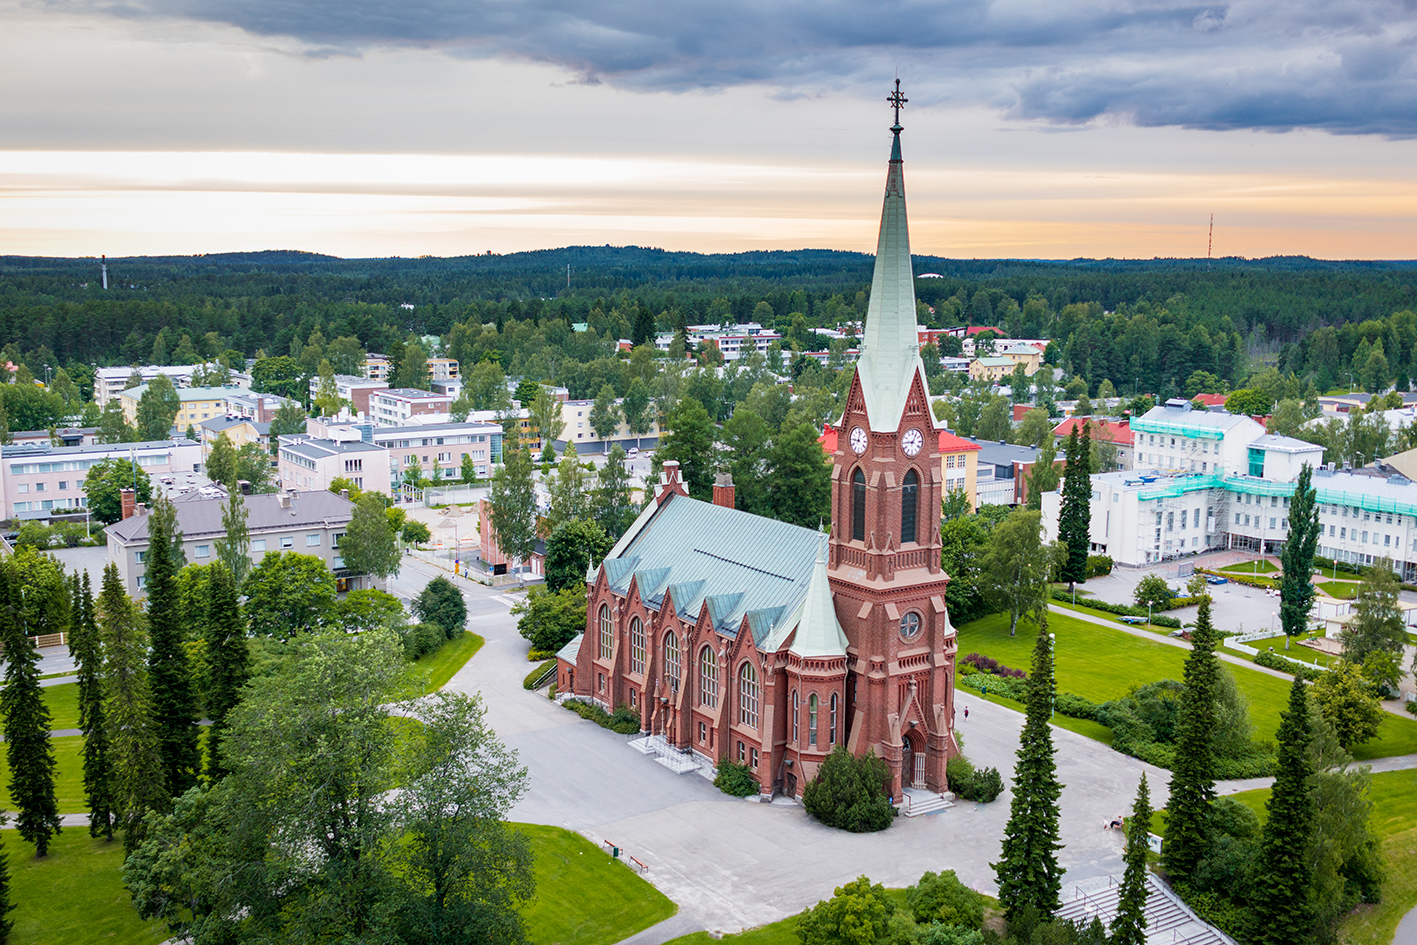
{"type": "Point", "coordinates": [743, 638]}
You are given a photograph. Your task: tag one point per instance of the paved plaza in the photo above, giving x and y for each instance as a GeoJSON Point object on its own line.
{"type": "Point", "coordinates": [731, 864]}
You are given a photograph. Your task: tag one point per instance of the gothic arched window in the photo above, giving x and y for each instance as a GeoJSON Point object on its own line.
{"type": "Point", "coordinates": [812, 719]}
{"type": "Point", "coordinates": [671, 660]}
{"type": "Point", "coordinates": [748, 693]}
{"type": "Point", "coordinates": [909, 502]}
{"type": "Point", "coordinates": [708, 678]}
{"type": "Point", "coordinates": [858, 505]}
{"type": "Point", "coordinates": [794, 717]}
{"type": "Point", "coordinates": [637, 646]}
{"type": "Point", "coordinates": [605, 631]}
{"type": "Point", "coordinates": [831, 732]}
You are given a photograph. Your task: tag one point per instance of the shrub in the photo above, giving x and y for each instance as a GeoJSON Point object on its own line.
{"type": "Point", "coordinates": [941, 897]}
{"type": "Point", "coordinates": [735, 779]}
{"type": "Point", "coordinates": [1275, 661]}
{"type": "Point", "coordinates": [987, 664]}
{"type": "Point", "coordinates": [983, 785]}
{"type": "Point", "coordinates": [938, 933]}
{"type": "Point", "coordinates": [625, 720]}
{"type": "Point", "coordinates": [537, 656]}
{"type": "Point", "coordinates": [530, 681]}
{"type": "Point", "coordinates": [849, 792]}
{"type": "Point", "coordinates": [1098, 565]}
{"type": "Point", "coordinates": [1127, 610]}
{"type": "Point", "coordinates": [421, 639]}
{"type": "Point", "coordinates": [441, 603]}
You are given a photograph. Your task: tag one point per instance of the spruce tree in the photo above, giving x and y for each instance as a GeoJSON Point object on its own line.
{"type": "Point", "coordinates": [1296, 587]}
{"type": "Point", "coordinates": [137, 777]}
{"type": "Point", "coordinates": [1282, 910]}
{"type": "Point", "coordinates": [86, 650]}
{"type": "Point", "coordinates": [1193, 771]}
{"type": "Point", "coordinates": [1129, 927]}
{"type": "Point", "coordinates": [229, 659]}
{"type": "Point", "coordinates": [1075, 512]}
{"type": "Point", "coordinates": [28, 746]}
{"type": "Point", "coordinates": [1028, 873]}
{"type": "Point", "coordinates": [7, 924]}
{"type": "Point", "coordinates": [173, 702]}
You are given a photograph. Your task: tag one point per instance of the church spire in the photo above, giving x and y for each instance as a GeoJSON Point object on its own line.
{"type": "Point", "coordinates": [890, 344]}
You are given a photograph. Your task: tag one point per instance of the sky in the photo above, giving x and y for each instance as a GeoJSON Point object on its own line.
{"type": "Point", "coordinates": [1072, 128]}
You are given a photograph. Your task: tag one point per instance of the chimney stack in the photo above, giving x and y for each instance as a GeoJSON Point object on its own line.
{"type": "Point", "coordinates": [723, 489]}
{"type": "Point", "coordinates": [669, 482]}
{"type": "Point", "coordinates": [344, 493]}
{"type": "Point", "coordinates": [129, 498]}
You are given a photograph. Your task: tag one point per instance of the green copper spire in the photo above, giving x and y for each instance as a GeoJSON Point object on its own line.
{"type": "Point", "coordinates": [890, 343]}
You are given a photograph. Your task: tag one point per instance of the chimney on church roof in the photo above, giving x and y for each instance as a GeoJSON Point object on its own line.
{"type": "Point", "coordinates": [669, 482]}
{"type": "Point", "coordinates": [723, 490]}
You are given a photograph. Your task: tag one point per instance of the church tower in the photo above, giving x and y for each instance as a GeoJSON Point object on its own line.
{"type": "Point", "coordinates": [884, 562]}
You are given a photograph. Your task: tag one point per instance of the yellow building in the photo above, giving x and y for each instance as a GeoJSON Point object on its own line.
{"type": "Point", "coordinates": [1027, 355]}
{"type": "Point", "coordinates": [198, 403]}
{"type": "Point", "coordinates": [991, 369]}
{"type": "Point", "coordinates": [958, 466]}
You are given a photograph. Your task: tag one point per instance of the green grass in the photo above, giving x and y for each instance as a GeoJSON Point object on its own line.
{"type": "Point", "coordinates": [1340, 590]}
{"type": "Point", "coordinates": [69, 779]}
{"type": "Point", "coordinates": [1394, 797]}
{"type": "Point", "coordinates": [74, 895]}
{"type": "Point", "coordinates": [440, 666]}
{"type": "Point", "coordinates": [1250, 567]}
{"type": "Point", "coordinates": [1103, 664]}
{"type": "Point", "coordinates": [1093, 730]}
{"type": "Point", "coordinates": [63, 702]}
{"type": "Point", "coordinates": [1295, 651]}
{"type": "Point", "coordinates": [583, 897]}
{"type": "Point", "coordinates": [782, 932]}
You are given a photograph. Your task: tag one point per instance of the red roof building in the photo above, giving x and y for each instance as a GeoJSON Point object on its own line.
{"type": "Point", "coordinates": [1119, 434]}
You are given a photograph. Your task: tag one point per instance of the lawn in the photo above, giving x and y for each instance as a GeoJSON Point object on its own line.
{"type": "Point", "coordinates": [583, 897]}
{"type": "Point", "coordinates": [441, 665]}
{"type": "Point", "coordinates": [69, 779]}
{"type": "Point", "coordinates": [782, 932]}
{"type": "Point", "coordinates": [1340, 590]}
{"type": "Point", "coordinates": [63, 702]}
{"type": "Point", "coordinates": [1295, 651]}
{"type": "Point", "coordinates": [1250, 567]}
{"type": "Point", "coordinates": [1104, 664]}
{"type": "Point", "coordinates": [75, 895]}
{"type": "Point", "coordinates": [1394, 796]}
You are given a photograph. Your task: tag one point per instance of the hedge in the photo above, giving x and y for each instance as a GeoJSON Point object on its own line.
{"type": "Point", "coordinates": [1098, 565]}
{"type": "Point", "coordinates": [530, 681]}
{"type": "Point", "coordinates": [1125, 610]}
{"type": "Point", "coordinates": [625, 721]}
{"type": "Point", "coordinates": [1275, 661]}
{"type": "Point", "coordinates": [1248, 579]}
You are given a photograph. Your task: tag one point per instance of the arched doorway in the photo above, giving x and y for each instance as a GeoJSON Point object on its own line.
{"type": "Point", "coordinates": [912, 760]}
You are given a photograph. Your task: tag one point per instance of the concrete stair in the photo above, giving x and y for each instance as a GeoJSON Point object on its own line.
{"type": "Point", "coordinates": [922, 802]}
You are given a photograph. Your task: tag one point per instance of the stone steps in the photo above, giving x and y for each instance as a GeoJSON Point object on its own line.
{"type": "Point", "coordinates": [925, 802]}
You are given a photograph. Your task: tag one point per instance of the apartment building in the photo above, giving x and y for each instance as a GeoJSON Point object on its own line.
{"type": "Point", "coordinates": [197, 403]}
{"type": "Point", "coordinates": [575, 415]}
{"type": "Point", "coordinates": [239, 431]}
{"type": "Point", "coordinates": [38, 480]}
{"type": "Point", "coordinates": [310, 523]}
{"type": "Point", "coordinates": [400, 406]}
{"type": "Point", "coordinates": [355, 390]}
{"type": "Point", "coordinates": [441, 446]}
{"type": "Point", "coordinates": [108, 382]}
{"type": "Point", "coordinates": [305, 464]}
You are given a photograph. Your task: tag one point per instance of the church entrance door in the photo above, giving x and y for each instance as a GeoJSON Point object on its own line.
{"type": "Point", "coordinates": [912, 764]}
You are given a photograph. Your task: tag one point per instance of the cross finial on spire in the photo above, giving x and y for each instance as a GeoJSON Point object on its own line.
{"type": "Point", "coordinates": [897, 101]}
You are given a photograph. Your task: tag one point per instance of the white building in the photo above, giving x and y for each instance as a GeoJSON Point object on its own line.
{"type": "Point", "coordinates": [109, 381]}
{"type": "Point", "coordinates": [39, 480]}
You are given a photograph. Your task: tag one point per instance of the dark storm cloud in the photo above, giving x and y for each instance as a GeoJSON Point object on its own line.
{"type": "Point", "coordinates": [1346, 66]}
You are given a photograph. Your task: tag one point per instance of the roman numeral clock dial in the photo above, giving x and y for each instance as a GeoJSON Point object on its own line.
{"type": "Point", "coordinates": [858, 441]}
{"type": "Point", "coordinates": [912, 442]}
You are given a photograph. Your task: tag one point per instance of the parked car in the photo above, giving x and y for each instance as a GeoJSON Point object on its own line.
{"type": "Point", "coordinates": [633, 451]}
{"type": "Point", "coordinates": [1216, 579]}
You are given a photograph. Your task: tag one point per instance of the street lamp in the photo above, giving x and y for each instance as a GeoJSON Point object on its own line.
{"type": "Point", "coordinates": [1053, 696]}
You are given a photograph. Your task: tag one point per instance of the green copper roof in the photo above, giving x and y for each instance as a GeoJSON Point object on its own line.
{"type": "Point", "coordinates": [890, 343]}
{"type": "Point", "coordinates": [818, 631]}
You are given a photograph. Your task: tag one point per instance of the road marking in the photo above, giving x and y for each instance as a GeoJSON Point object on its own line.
{"type": "Point", "coordinates": [509, 601]}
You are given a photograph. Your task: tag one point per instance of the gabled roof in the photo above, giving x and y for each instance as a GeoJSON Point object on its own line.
{"type": "Point", "coordinates": [740, 566]}
{"type": "Point", "coordinates": [264, 514]}
{"type": "Point", "coordinates": [949, 443]}
{"type": "Point", "coordinates": [995, 362]}
{"type": "Point", "coordinates": [1109, 431]}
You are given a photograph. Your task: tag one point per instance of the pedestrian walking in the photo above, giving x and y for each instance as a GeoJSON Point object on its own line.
{"type": "Point", "coordinates": [966, 713]}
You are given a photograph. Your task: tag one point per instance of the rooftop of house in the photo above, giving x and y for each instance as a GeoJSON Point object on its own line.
{"type": "Point", "coordinates": [1110, 431]}
{"type": "Point", "coordinates": [995, 362]}
{"type": "Point", "coordinates": [1287, 444]}
{"type": "Point", "coordinates": [319, 449]}
{"type": "Point", "coordinates": [222, 424]}
{"type": "Point", "coordinates": [186, 394]}
{"type": "Point", "coordinates": [1003, 454]}
{"type": "Point", "coordinates": [115, 449]}
{"type": "Point", "coordinates": [411, 393]}
{"type": "Point", "coordinates": [265, 513]}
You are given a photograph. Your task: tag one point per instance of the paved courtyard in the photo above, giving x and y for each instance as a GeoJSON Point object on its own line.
{"type": "Point", "coordinates": [733, 864]}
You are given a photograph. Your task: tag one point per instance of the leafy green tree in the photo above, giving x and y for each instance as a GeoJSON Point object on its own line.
{"type": "Point", "coordinates": [253, 465]}
{"type": "Point", "coordinates": [367, 609]}
{"type": "Point", "coordinates": [604, 414]}
{"type": "Point", "coordinates": [221, 461]}
{"type": "Point", "coordinates": [468, 471]}
{"type": "Point", "coordinates": [994, 420]}
{"type": "Point", "coordinates": [138, 785]}
{"type": "Point", "coordinates": [415, 533]}
{"type": "Point", "coordinates": [955, 503]}
{"type": "Point", "coordinates": [1028, 873]}
{"type": "Point", "coordinates": [572, 548]}
{"type": "Point", "coordinates": [551, 619]}
{"type": "Point", "coordinates": [368, 545]}
{"type": "Point", "coordinates": [1033, 429]}
{"type": "Point", "coordinates": [233, 549]}
{"type": "Point", "coordinates": [327, 398]}
{"type": "Point", "coordinates": [442, 604]}
{"type": "Point", "coordinates": [1348, 705]}
{"type": "Point", "coordinates": [744, 450]}
{"type": "Point", "coordinates": [1152, 590]}
{"type": "Point", "coordinates": [635, 408]}
{"type": "Point", "coordinates": [86, 649]}
{"type": "Point", "coordinates": [569, 499]}
{"type": "Point", "coordinates": [858, 913]}
{"type": "Point", "coordinates": [1016, 567]}
{"type": "Point", "coordinates": [157, 409]}
{"type": "Point", "coordinates": [112, 427]}
{"type": "Point", "coordinates": [546, 416]}
{"type": "Point", "coordinates": [288, 594]}
{"type": "Point", "coordinates": [288, 420]}
{"type": "Point", "coordinates": [848, 792]}
{"type": "Point", "coordinates": [1075, 513]}
{"type": "Point", "coordinates": [412, 372]}
{"type": "Point", "coordinates": [799, 484]}
{"type": "Point", "coordinates": [1377, 621]}
{"type": "Point", "coordinates": [1192, 785]}
{"type": "Point", "coordinates": [1249, 403]}
{"type": "Point", "coordinates": [104, 483]}
{"type": "Point", "coordinates": [512, 506]}
{"type": "Point", "coordinates": [28, 748]}
{"type": "Point", "coordinates": [612, 505]}
{"type": "Point", "coordinates": [28, 407]}
{"type": "Point", "coordinates": [1296, 589]}
{"type": "Point", "coordinates": [1043, 477]}
{"type": "Point", "coordinates": [941, 897]}
{"type": "Point", "coordinates": [228, 661]}
{"type": "Point", "coordinates": [1129, 926]}
{"type": "Point", "coordinates": [173, 695]}
{"type": "Point", "coordinates": [526, 391]}
{"type": "Point", "coordinates": [1281, 904]}
{"type": "Point", "coordinates": [689, 441]}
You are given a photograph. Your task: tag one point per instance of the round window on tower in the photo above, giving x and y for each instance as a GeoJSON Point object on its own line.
{"type": "Point", "coordinates": [910, 626]}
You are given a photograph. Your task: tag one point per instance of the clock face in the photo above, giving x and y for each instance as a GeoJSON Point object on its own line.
{"type": "Point", "coordinates": [912, 441]}
{"type": "Point", "coordinates": [858, 441]}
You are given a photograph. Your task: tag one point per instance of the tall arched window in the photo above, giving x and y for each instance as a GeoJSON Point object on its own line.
{"type": "Point", "coordinates": [671, 660]}
{"type": "Point", "coordinates": [748, 692]}
{"type": "Point", "coordinates": [708, 678]}
{"type": "Point", "coordinates": [605, 631]}
{"type": "Point", "coordinates": [909, 502]}
{"type": "Point", "coordinates": [812, 719]}
{"type": "Point", "coordinates": [858, 505]}
{"type": "Point", "coordinates": [831, 732]}
{"type": "Point", "coordinates": [637, 646]}
{"type": "Point", "coordinates": [795, 713]}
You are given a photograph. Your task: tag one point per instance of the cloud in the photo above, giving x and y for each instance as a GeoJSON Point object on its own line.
{"type": "Point", "coordinates": [1343, 66]}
